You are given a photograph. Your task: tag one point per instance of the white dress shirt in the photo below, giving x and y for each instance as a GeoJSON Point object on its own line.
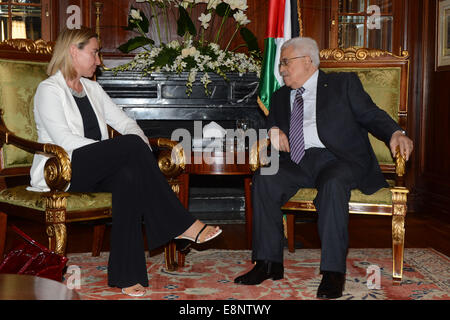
{"type": "Point", "coordinates": [309, 112]}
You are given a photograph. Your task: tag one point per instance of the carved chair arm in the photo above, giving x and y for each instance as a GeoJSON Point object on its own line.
{"type": "Point", "coordinates": [400, 163]}
{"type": "Point", "coordinates": [57, 170]}
{"type": "Point", "coordinates": [258, 150]}
{"type": "Point", "coordinates": [171, 158]}
{"type": "Point", "coordinates": [258, 153]}
{"type": "Point", "coordinates": [400, 169]}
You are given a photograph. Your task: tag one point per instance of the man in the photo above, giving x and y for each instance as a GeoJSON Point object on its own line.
{"type": "Point", "coordinates": [319, 123]}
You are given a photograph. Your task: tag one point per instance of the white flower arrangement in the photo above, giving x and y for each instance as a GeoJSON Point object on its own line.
{"type": "Point", "coordinates": [185, 54]}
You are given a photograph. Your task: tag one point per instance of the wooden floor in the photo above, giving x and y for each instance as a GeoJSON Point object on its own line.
{"type": "Point", "coordinates": [422, 231]}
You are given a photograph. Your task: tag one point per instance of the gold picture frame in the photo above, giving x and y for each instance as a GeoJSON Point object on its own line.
{"type": "Point", "coordinates": [443, 36]}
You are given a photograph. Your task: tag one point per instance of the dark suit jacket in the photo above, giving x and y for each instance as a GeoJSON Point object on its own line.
{"type": "Point", "coordinates": [345, 113]}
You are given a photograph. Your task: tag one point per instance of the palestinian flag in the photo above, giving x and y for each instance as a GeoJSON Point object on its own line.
{"type": "Point", "coordinates": [279, 30]}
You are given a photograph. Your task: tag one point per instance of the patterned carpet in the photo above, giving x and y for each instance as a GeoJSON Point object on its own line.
{"type": "Point", "coordinates": [209, 274]}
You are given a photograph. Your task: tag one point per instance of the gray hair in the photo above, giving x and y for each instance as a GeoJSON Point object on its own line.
{"type": "Point", "coordinates": [305, 46]}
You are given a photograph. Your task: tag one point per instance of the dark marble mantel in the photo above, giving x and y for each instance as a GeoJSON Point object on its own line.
{"type": "Point", "coordinates": [160, 104]}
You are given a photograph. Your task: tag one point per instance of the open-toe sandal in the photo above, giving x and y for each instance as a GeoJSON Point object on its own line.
{"type": "Point", "coordinates": [198, 235]}
{"type": "Point", "coordinates": [134, 293]}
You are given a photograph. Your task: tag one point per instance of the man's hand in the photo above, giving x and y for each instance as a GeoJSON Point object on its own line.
{"type": "Point", "coordinates": [279, 139]}
{"type": "Point", "coordinates": [398, 139]}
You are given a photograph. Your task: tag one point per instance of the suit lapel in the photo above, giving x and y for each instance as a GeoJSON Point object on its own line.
{"type": "Point", "coordinates": [286, 103]}
{"type": "Point", "coordinates": [283, 109]}
{"type": "Point", "coordinates": [321, 101]}
{"type": "Point", "coordinates": [71, 111]}
{"type": "Point", "coordinates": [322, 88]}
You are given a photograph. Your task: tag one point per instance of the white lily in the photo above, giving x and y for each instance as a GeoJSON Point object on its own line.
{"type": "Point", "coordinates": [212, 4]}
{"type": "Point", "coordinates": [185, 3]}
{"type": "Point", "coordinates": [173, 44]}
{"type": "Point", "coordinates": [237, 4]}
{"type": "Point", "coordinates": [205, 18]}
{"type": "Point", "coordinates": [241, 18]}
{"type": "Point", "coordinates": [135, 14]}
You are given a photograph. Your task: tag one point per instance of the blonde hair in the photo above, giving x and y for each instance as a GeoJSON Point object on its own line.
{"type": "Point", "coordinates": [61, 59]}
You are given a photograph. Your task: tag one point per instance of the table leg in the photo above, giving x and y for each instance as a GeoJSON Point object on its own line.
{"type": "Point", "coordinates": [183, 194]}
{"type": "Point", "coordinates": [184, 198]}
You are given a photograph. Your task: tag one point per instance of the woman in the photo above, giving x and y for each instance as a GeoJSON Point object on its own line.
{"type": "Point", "coordinates": [73, 112]}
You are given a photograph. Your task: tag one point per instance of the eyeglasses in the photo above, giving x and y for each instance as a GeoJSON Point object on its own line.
{"type": "Point", "coordinates": [286, 61]}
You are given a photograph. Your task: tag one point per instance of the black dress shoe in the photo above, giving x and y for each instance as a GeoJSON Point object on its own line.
{"type": "Point", "coordinates": [263, 270]}
{"type": "Point", "coordinates": [331, 286]}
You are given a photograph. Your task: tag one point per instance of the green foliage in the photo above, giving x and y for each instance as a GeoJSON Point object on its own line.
{"type": "Point", "coordinates": [185, 23]}
{"type": "Point", "coordinates": [135, 43]}
{"type": "Point", "coordinates": [185, 54]}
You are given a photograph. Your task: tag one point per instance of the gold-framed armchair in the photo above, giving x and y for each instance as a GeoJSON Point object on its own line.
{"type": "Point", "coordinates": [23, 66]}
{"type": "Point", "coordinates": [385, 78]}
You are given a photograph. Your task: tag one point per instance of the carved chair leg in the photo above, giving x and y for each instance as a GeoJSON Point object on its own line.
{"type": "Point", "coordinates": [169, 255]}
{"type": "Point", "coordinates": [399, 197]}
{"type": "Point", "coordinates": [398, 240]}
{"type": "Point", "coordinates": [97, 241]}
{"type": "Point", "coordinates": [181, 259]}
{"type": "Point", "coordinates": [3, 220]}
{"type": "Point", "coordinates": [57, 234]}
{"type": "Point", "coordinates": [55, 218]}
{"type": "Point", "coordinates": [181, 189]}
{"type": "Point", "coordinates": [248, 210]}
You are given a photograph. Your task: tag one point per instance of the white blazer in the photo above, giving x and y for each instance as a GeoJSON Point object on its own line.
{"type": "Point", "coordinates": [58, 120]}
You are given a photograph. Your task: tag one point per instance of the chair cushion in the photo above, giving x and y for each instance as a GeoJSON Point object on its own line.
{"type": "Point", "coordinates": [383, 86]}
{"type": "Point", "coordinates": [382, 196]}
{"type": "Point", "coordinates": [19, 196]}
{"type": "Point", "coordinates": [18, 83]}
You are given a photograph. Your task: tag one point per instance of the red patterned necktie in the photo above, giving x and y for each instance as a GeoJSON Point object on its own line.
{"type": "Point", "coordinates": [296, 138]}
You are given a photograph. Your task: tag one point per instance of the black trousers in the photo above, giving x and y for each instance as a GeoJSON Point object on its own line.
{"type": "Point", "coordinates": [333, 179]}
{"type": "Point", "coordinates": [127, 168]}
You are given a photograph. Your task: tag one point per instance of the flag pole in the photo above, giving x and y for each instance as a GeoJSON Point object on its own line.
{"type": "Point", "coordinates": [300, 23]}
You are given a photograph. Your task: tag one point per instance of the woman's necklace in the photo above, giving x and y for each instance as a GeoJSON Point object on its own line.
{"type": "Point", "coordinates": [77, 94]}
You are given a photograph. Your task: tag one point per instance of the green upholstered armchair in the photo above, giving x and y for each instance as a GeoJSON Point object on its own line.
{"type": "Point", "coordinates": [385, 78]}
{"type": "Point", "coordinates": [23, 66]}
